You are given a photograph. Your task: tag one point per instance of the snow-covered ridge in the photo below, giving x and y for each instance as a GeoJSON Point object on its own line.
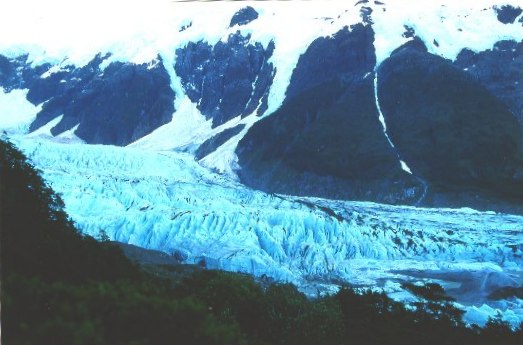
{"type": "Point", "coordinates": [139, 32]}
{"type": "Point", "coordinates": [168, 202]}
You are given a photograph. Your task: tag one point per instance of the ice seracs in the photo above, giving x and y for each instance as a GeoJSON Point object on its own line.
{"type": "Point", "coordinates": [166, 201]}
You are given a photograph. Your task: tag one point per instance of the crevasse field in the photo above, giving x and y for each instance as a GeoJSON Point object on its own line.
{"type": "Point", "coordinates": [166, 201]}
{"type": "Point", "coordinates": [153, 195]}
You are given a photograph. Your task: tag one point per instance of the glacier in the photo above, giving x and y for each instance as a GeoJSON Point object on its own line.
{"type": "Point", "coordinates": [165, 200]}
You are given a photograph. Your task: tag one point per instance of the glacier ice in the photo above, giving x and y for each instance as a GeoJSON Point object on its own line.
{"type": "Point", "coordinates": [165, 200]}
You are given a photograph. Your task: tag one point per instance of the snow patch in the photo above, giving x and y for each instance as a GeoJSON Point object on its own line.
{"type": "Point", "coordinates": [454, 25]}
{"type": "Point", "coordinates": [16, 112]}
{"type": "Point", "coordinates": [403, 165]}
{"type": "Point", "coordinates": [54, 69]}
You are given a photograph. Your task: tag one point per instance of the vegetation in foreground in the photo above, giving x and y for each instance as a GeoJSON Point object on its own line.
{"type": "Point", "coordinates": [59, 287]}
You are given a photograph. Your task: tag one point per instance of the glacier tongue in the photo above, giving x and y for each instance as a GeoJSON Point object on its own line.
{"type": "Point", "coordinates": [166, 201]}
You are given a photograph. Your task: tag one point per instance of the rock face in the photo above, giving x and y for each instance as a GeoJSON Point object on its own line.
{"type": "Point", "coordinates": [118, 105]}
{"type": "Point", "coordinates": [499, 70]}
{"type": "Point", "coordinates": [211, 144]}
{"type": "Point", "coordinates": [227, 80]}
{"type": "Point", "coordinates": [17, 73]}
{"type": "Point", "coordinates": [347, 52]}
{"type": "Point", "coordinates": [244, 16]}
{"type": "Point", "coordinates": [329, 143]}
{"type": "Point", "coordinates": [453, 128]}
{"type": "Point", "coordinates": [326, 139]}
{"type": "Point", "coordinates": [449, 128]}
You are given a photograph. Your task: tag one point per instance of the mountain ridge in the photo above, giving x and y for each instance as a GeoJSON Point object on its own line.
{"type": "Point", "coordinates": [209, 88]}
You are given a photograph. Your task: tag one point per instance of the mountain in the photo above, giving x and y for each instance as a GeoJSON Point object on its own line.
{"type": "Point", "coordinates": [434, 143]}
{"type": "Point", "coordinates": [312, 144]}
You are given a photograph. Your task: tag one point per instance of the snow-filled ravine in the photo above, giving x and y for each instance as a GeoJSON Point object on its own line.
{"type": "Point", "coordinates": [167, 201]}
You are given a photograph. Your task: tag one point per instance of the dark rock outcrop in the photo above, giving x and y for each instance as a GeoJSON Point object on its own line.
{"type": "Point", "coordinates": [326, 139]}
{"type": "Point", "coordinates": [244, 16]}
{"type": "Point", "coordinates": [332, 57]}
{"type": "Point", "coordinates": [463, 145]}
{"type": "Point", "coordinates": [59, 95]}
{"type": "Point", "coordinates": [449, 128]}
{"type": "Point", "coordinates": [211, 144]}
{"type": "Point", "coordinates": [507, 14]}
{"type": "Point", "coordinates": [226, 80]}
{"type": "Point", "coordinates": [326, 142]}
{"type": "Point", "coordinates": [366, 14]}
{"type": "Point", "coordinates": [185, 27]}
{"type": "Point", "coordinates": [409, 32]}
{"type": "Point", "coordinates": [117, 105]}
{"type": "Point", "coordinates": [17, 73]}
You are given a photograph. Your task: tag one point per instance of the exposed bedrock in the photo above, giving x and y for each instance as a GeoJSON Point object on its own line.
{"type": "Point", "coordinates": [449, 128]}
